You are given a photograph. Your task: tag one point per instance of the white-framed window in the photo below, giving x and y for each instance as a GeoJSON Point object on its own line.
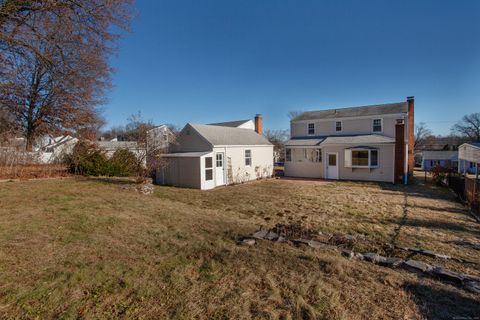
{"type": "Point", "coordinates": [361, 158]}
{"type": "Point", "coordinates": [248, 158]}
{"type": "Point", "coordinates": [208, 168]}
{"type": "Point", "coordinates": [318, 155]}
{"type": "Point", "coordinates": [338, 126]}
{"type": "Point", "coordinates": [472, 165]}
{"type": "Point", "coordinates": [377, 125]}
{"type": "Point", "coordinates": [288, 155]}
{"type": "Point", "coordinates": [219, 160]}
{"type": "Point", "coordinates": [311, 128]}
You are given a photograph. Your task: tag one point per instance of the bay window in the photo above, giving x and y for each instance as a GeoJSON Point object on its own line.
{"type": "Point", "coordinates": [361, 158]}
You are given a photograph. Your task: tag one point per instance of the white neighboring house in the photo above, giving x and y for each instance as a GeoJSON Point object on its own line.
{"type": "Point", "coordinates": [469, 158]}
{"type": "Point", "coordinates": [55, 148]}
{"type": "Point", "coordinates": [206, 156]}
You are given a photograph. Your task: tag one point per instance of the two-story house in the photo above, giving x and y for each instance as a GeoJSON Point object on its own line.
{"type": "Point", "coordinates": [373, 143]}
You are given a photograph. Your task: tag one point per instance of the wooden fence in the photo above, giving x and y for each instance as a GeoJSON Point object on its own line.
{"type": "Point", "coordinates": [467, 189]}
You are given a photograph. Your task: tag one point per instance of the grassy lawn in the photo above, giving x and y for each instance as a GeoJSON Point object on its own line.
{"type": "Point", "coordinates": [87, 248]}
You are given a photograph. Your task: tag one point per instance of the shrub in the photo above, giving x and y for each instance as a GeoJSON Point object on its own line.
{"type": "Point", "coordinates": [440, 174]}
{"type": "Point", "coordinates": [86, 159]}
{"type": "Point", "coordinates": [123, 163]}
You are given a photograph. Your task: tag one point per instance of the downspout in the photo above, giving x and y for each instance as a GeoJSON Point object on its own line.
{"type": "Point", "coordinates": [405, 170]}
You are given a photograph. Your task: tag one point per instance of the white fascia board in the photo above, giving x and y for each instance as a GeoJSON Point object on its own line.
{"type": "Point", "coordinates": [376, 116]}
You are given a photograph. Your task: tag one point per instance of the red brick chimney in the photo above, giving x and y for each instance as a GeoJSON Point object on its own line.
{"type": "Point", "coordinates": [411, 134]}
{"type": "Point", "coordinates": [259, 124]}
{"type": "Point", "coordinates": [399, 151]}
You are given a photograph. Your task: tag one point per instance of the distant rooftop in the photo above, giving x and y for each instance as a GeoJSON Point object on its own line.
{"type": "Point", "coordinates": [372, 110]}
{"type": "Point", "coordinates": [232, 124]}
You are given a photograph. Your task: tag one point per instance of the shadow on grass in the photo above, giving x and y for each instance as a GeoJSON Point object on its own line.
{"type": "Point", "coordinates": [110, 180]}
{"type": "Point", "coordinates": [435, 224]}
{"type": "Point", "coordinates": [439, 303]}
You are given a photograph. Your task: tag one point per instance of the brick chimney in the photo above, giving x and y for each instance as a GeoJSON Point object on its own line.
{"type": "Point", "coordinates": [411, 134]}
{"type": "Point", "coordinates": [259, 124]}
{"type": "Point", "coordinates": [399, 151]}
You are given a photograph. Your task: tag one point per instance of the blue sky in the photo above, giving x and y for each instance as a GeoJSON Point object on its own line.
{"type": "Point", "coordinates": [218, 60]}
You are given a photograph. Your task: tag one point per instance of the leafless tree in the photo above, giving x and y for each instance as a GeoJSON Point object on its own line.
{"type": "Point", "coordinates": [293, 114]}
{"type": "Point", "coordinates": [468, 127]}
{"type": "Point", "coordinates": [54, 56]}
{"type": "Point", "coordinates": [422, 133]}
{"type": "Point", "coordinates": [278, 138]}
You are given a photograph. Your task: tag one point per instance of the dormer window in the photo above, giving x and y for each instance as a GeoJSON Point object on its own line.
{"type": "Point", "coordinates": [377, 125]}
{"type": "Point", "coordinates": [338, 126]}
{"type": "Point", "coordinates": [311, 128]}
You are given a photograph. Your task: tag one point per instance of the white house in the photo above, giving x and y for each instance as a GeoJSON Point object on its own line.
{"type": "Point", "coordinates": [372, 143]}
{"type": "Point", "coordinates": [56, 148]}
{"type": "Point", "coordinates": [206, 156]}
{"type": "Point", "coordinates": [469, 158]}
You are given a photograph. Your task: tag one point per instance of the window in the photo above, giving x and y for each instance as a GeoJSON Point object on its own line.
{"type": "Point", "coordinates": [288, 154]}
{"type": "Point", "coordinates": [248, 158]}
{"type": "Point", "coordinates": [219, 160]}
{"type": "Point", "coordinates": [332, 159]}
{"type": "Point", "coordinates": [373, 158]}
{"type": "Point", "coordinates": [208, 168]}
{"type": "Point", "coordinates": [361, 158]}
{"type": "Point", "coordinates": [338, 126]}
{"type": "Point", "coordinates": [311, 128]}
{"type": "Point", "coordinates": [377, 125]}
{"type": "Point", "coordinates": [318, 155]}
{"type": "Point", "coordinates": [472, 165]}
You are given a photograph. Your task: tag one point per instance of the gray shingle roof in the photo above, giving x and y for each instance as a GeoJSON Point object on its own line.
{"type": "Point", "coordinates": [233, 124]}
{"type": "Point", "coordinates": [114, 145]}
{"type": "Point", "coordinates": [303, 142]}
{"type": "Point", "coordinates": [219, 135]}
{"type": "Point", "coordinates": [475, 144]}
{"type": "Point", "coordinates": [186, 154]}
{"type": "Point", "coordinates": [373, 110]}
{"type": "Point", "coordinates": [440, 155]}
{"type": "Point", "coordinates": [358, 139]}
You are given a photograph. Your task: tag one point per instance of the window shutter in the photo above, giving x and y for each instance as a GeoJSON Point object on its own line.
{"type": "Point", "coordinates": [348, 158]}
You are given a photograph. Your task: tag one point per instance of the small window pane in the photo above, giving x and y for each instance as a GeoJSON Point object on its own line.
{"type": "Point", "coordinates": [318, 155]}
{"type": "Point", "coordinates": [311, 128]}
{"type": "Point", "coordinates": [338, 126]}
{"type": "Point", "coordinates": [248, 157]}
{"type": "Point", "coordinates": [208, 162]}
{"type": "Point", "coordinates": [219, 160]}
{"type": "Point", "coordinates": [377, 125]}
{"type": "Point", "coordinates": [209, 174]}
{"type": "Point", "coordinates": [360, 158]}
{"type": "Point", "coordinates": [373, 158]}
{"type": "Point", "coordinates": [332, 160]}
{"type": "Point", "coordinates": [288, 155]}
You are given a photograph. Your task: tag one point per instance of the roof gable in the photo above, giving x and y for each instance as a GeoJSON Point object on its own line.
{"type": "Point", "coordinates": [233, 124]}
{"type": "Point", "coordinates": [372, 110]}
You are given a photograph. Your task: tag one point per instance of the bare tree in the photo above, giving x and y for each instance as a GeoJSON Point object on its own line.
{"type": "Point", "coordinates": [468, 127]}
{"type": "Point", "coordinates": [293, 114]}
{"type": "Point", "coordinates": [54, 56]}
{"type": "Point", "coordinates": [422, 133]}
{"type": "Point", "coordinates": [278, 138]}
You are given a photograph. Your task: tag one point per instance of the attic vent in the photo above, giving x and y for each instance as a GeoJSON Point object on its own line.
{"type": "Point", "coordinates": [188, 132]}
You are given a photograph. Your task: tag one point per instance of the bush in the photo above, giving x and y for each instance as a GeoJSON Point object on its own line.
{"type": "Point", "coordinates": [123, 163]}
{"type": "Point", "coordinates": [88, 160]}
{"type": "Point", "coordinates": [440, 174]}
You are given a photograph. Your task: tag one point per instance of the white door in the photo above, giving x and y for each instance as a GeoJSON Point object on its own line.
{"type": "Point", "coordinates": [220, 169]}
{"type": "Point", "coordinates": [332, 166]}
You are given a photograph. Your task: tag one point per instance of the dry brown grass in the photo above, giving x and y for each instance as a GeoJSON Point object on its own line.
{"type": "Point", "coordinates": [33, 171]}
{"type": "Point", "coordinates": [84, 248]}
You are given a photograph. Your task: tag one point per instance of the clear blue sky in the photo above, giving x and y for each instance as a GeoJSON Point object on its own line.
{"type": "Point", "coordinates": [218, 60]}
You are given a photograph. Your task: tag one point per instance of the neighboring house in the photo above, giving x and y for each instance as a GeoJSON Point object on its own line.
{"type": "Point", "coordinates": [56, 147]}
{"type": "Point", "coordinates": [159, 137]}
{"type": "Point", "coordinates": [109, 147]}
{"type": "Point", "coordinates": [430, 159]}
{"type": "Point", "coordinates": [372, 143]}
{"type": "Point", "coordinates": [208, 156]}
{"type": "Point", "coordinates": [469, 158]}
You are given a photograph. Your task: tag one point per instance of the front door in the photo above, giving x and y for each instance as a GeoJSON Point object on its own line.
{"type": "Point", "coordinates": [220, 169]}
{"type": "Point", "coordinates": [332, 166]}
